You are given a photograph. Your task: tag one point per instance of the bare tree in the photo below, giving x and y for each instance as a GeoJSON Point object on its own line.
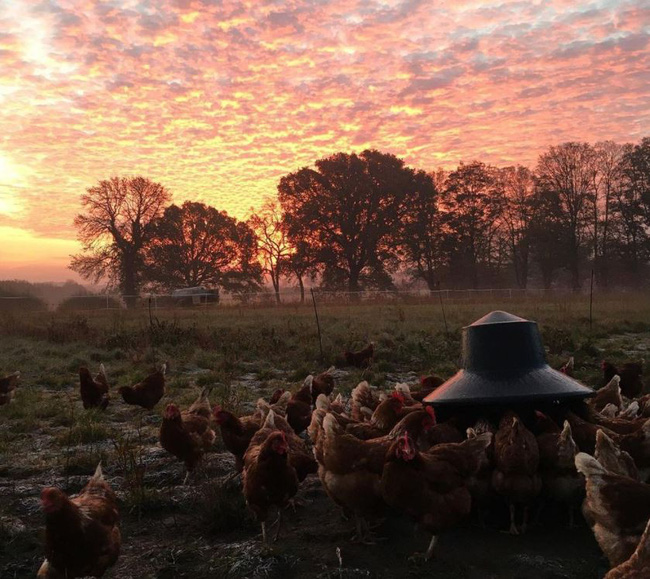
{"type": "Point", "coordinates": [115, 229]}
{"type": "Point", "coordinates": [519, 189]}
{"type": "Point", "coordinates": [272, 241]}
{"type": "Point", "coordinates": [567, 172]}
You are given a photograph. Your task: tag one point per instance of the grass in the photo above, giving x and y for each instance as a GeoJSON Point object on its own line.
{"type": "Point", "coordinates": [46, 436]}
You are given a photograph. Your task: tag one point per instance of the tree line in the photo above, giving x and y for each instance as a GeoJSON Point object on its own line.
{"type": "Point", "coordinates": [361, 221]}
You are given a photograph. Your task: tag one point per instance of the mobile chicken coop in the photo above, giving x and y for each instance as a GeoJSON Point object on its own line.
{"type": "Point", "coordinates": [194, 296]}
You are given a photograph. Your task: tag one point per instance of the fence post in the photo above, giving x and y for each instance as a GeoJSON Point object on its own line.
{"type": "Point", "coordinates": [320, 339]}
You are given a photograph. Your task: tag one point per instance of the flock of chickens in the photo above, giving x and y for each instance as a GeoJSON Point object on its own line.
{"type": "Point", "coordinates": [387, 449]}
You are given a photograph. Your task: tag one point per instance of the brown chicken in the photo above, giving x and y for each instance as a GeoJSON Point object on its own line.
{"type": "Point", "coordinates": [608, 394]}
{"type": "Point", "coordinates": [613, 459]}
{"type": "Point", "coordinates": [386, 416]}
{"type": "Point", "coordinates": [432, 486]}
{"type": "Point", "coordinates": [362, 358]}
{"type": "Point", "coordinates": [560, 479]}
{"type": "Point", "coordinates": [8, 386]}
{"type": "Point", "coordinates": [148, 392]}
{"type": "Point", "coordinates": [568, 367]}
{"type": "Point", "coordinates": [269, 479]}
{"type": "Point", "coordinates": [201, 406]}
{"type": "Point", "coordinates": [584, 433]}
{"type": "Point", "coordinates": [236, 433]}
{"type": "Point", "coordinates": [94, 391]}
{"type": "Point", "coordinates": [187, 436]}
{"type": "Point", "coordinates": [323, 383]}
{"type": "Point", "coordinates": [617, 507]}
{"type": "Point", "coordinates": [300, 457]}
{"type": "Point", "coordinates": [338, 404]}
{"type": "Point", "coordinates": [82, 537]}
{"type": "Point", "coordinates": [299, 407]}
{"type": "Point", "coordinates": [516, 462]}
{"type": "Point", "coordinates": [631, 381]}
{"type": "Point", "coordinates": [427, 385]}
{"type": "Point", "coordinates": [350, 468]}
{"type": "Point", "coordinates": [363, 402]}
{"type": "Point", "coordinates": [638, 565]}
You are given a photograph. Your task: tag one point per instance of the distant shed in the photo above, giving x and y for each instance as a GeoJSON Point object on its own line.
{"type": "Point", "coordinates": [195, 296]}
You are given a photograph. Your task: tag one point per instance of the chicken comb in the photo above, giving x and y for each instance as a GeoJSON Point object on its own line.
{"type": "Point", "coordinates": [399, 396]}
{"type": "Point", "coordinates": [431, 412]}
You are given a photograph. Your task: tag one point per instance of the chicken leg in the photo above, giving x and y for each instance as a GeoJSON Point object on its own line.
{"type": "Point", "coordinates": [432, 546]}
{"type": "Point", "coordinates": [513, 526]}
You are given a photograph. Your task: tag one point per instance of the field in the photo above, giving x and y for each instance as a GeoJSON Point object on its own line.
{"type": "Point", "coordinates": [203, 529]}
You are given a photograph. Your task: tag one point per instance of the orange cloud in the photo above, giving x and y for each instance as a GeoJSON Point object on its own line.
{"type": "Point", "coordinates": [219, 100]}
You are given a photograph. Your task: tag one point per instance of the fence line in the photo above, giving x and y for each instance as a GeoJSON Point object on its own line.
{"type": "Point", "coordinates": [268, 298]}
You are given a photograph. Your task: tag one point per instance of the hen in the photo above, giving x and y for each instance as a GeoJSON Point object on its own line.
{"type": "Point", "coordinates": [269, 479]}
{"type": "Point", "coordinates": [631, 381]}
{"type": "Point", "coordinates": [387, 414]}
{"type": "Point", "coordinates": [638, 565]}
{"type": "Point", "coordinates": [613, 459]}
{"type": "Point", "coordinates": [362, 358]}
{"type": "Point", "coordinates": [8, 387]}
{"type": "Point", "coordinates": [608, 394]}
{"type": "Point", "coordinates": [299, 407]}
{"type": "Point", "coordinates": [350, 468]}
{"type": "Point", "coordinates": [236, 433]}
{"type": "Point", "coordinates": [363, 402]}
{"type": "Point", "coordinates": [568, 367]}
{"type": "Point", "coordinates": [148, 392]}
{"type": "Point", "coordinates": [617, 507]}
{"type": "Point", "coordinates": [432, 486]}
{"type": "Point", "coordinates": [187, 436]}
{"type": "Point", "coordinates": [323, 383]}
{"type": "Point", "coordinates": [82, 537]}
{"type": "Point", "coordinates": [201, 406]}
{"type": "Point", "coordinates": [560, 480]}
{"type": "Point", "coordinates": [516, 460]}
{"type": "Point", "coordinates": [94, 391]}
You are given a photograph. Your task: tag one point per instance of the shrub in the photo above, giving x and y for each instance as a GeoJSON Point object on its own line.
{"type": "Point", "coordinates": [89, 302]}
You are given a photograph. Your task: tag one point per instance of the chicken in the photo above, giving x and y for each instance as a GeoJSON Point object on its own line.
{"type": "Point", "coordinates": [323, 383]}
{"type": "Point", "coordinates": [584, 433]}
{"type": "Point", "coordinates": [617, 507]}
{"type": "Point", "coordinates": [363, 402]}
{"type": "Point", "coordinates": [568, 367]}
{"type": "Point", "coordinates": [187, 436]}
{"type": "Point", "coordinates": [362, 358]}
{"type": "Point", "coordinates": [386, 415]}
{"type": "Point", "coordinates": [201, 406]}
{"type": "Point", "coordinates": [279, 406]}
{"type": "Point", "coordinates": [432, 486]}
{"type": "Point", "coordinates": [637, 445]}
{"type": "Point", "coordinates": [338, 404]}
{"type": "Point", "coordinates": [638, 565]}
{"type": "Point", "coordinates": [148, 392]}
{"type": "Point", "coordinates": [269, 479]}
{"type": "Point", "coordinates": [516, 462]}
{"type": "Point", "coordinates": [299, 407]}
{"type": "Point", "coordinates": [94, 391]}
{"type": "Point", "coordinates": [630, 374]}
{"type": "Point", "coordinates": [315, 427]}
{"type": "Point", "coordinates": [631, 411]}
{"type": "Point", "coordinates": [427, 385]}
{"type": "Point", "coordinates": [617, 424]}
{"type": "Point", "coordinates": [610, 411]}
{"type": "Point", "coordinates": [236, 433]}
{"type": "Point", "coordinates": [8, 387]}
{"type": "Point", "coordinates": [445, 432]}
{"type": "Point", "coordinates": [613, 459]}
{"type": "Point", "coordinates": [608, 394]}
{"type": "Point", "coordinates": [480, 483]}
{"type": "Point", "coordinates": [82, 537]}
{"type": "Point", "coordinates": [560, 479]}
{"type": "Point", "coordinates": [350, 468]}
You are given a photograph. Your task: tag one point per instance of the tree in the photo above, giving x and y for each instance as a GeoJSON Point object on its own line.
{"type": "Point", "coordinates": [115, 230]}
{"type": "Point", "coordinates": [519, 189]}
{"type": "Point", "coordinates": [348, 211]}
{"type": "Point", "coordinates": [273, 245]}
{"type": "Point", "coordinates": [197, 245]}
{"type": "Point", "coordinates": [567, 172]}
{"type": "Point", "coordinates": [422, 233]}
{"type": "Point", "coordinates": [473, 204]}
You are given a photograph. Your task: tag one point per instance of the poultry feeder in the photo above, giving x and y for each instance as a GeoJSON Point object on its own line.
{"type": "Point", "coordinates": [504, 364]}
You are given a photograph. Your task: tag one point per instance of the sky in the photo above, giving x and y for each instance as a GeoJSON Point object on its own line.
{"type": "Point", "coordinates": [218, 99]}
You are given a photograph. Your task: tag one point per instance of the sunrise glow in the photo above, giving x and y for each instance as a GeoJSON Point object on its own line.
{"type": "Point", "coordinates": [217, 101]}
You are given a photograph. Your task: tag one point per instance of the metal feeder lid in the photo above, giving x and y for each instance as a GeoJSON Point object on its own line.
{"type": "Point", "coordinates": [504, 362]}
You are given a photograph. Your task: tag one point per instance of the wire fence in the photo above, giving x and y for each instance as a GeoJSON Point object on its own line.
{"type": "Point", "coordinates": [209, 300]}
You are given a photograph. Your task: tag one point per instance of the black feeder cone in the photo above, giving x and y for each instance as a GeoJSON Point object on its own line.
{"type": "Point", "coordinates": [504, 363]}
